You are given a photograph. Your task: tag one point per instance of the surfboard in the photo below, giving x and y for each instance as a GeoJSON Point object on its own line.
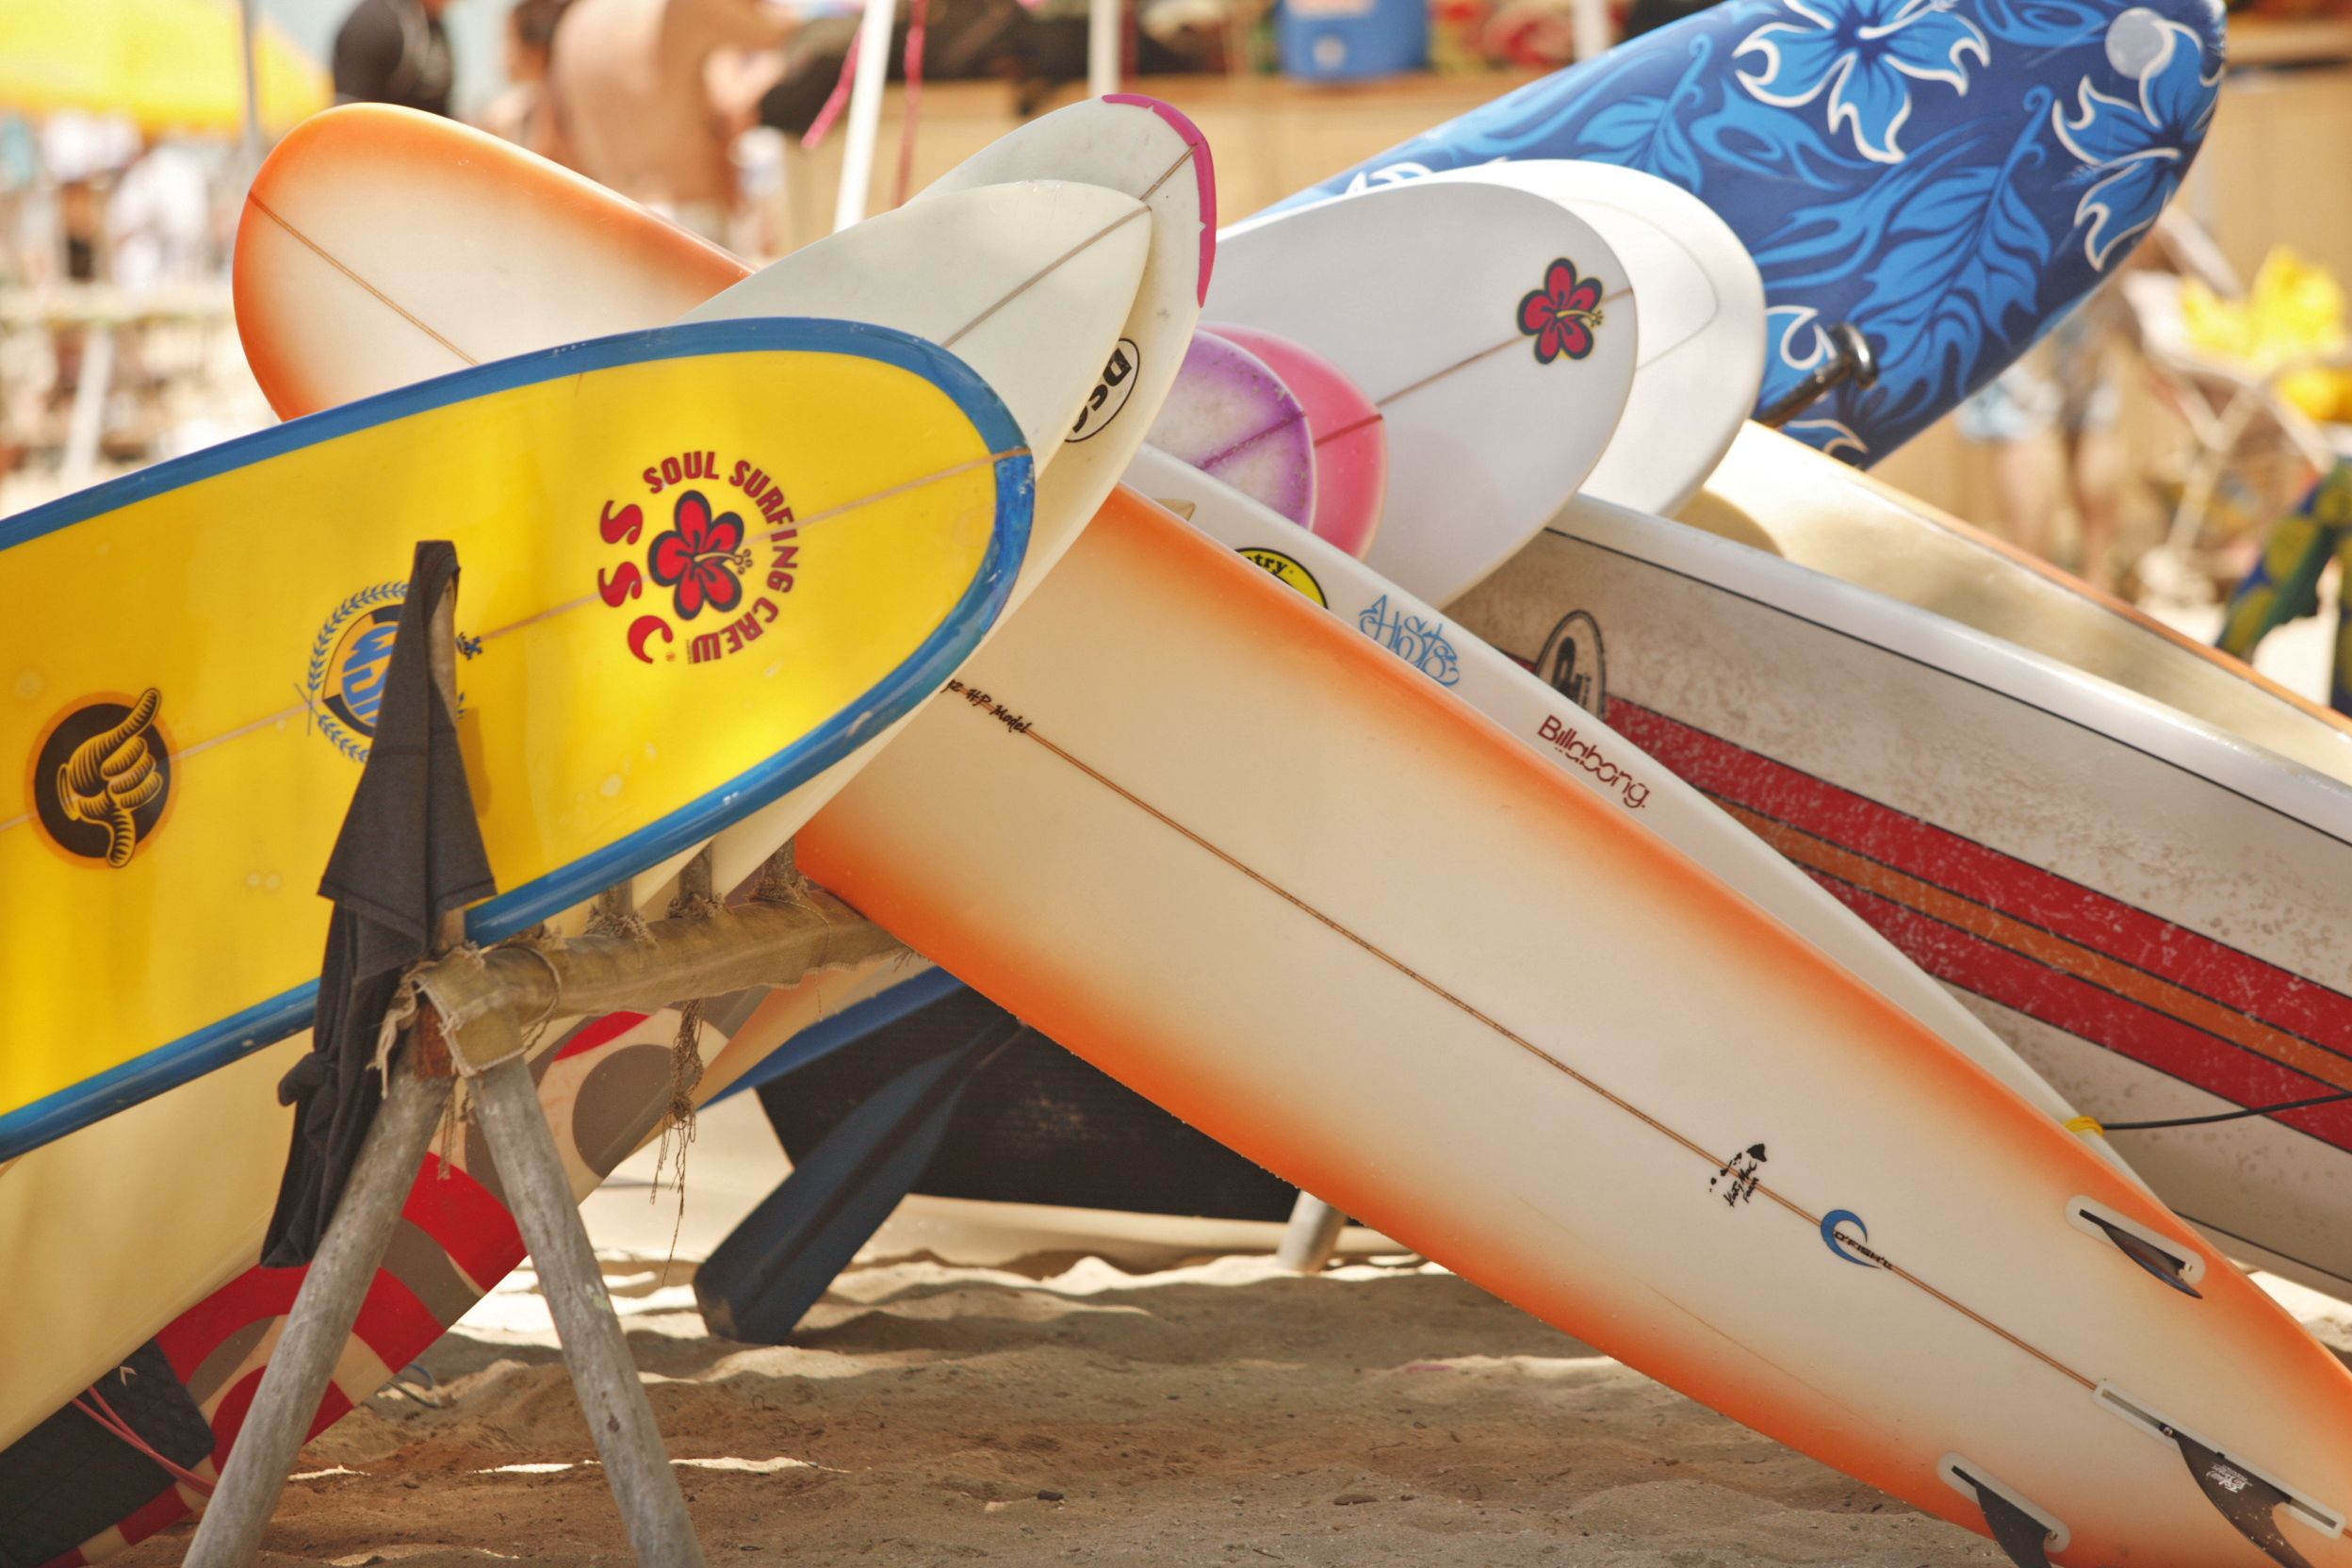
{"type": "Point", "coordinates": [1351, 446]}
{"type": "Point", "coordinates": [1779, 495]}
{"type": "Point", "coordinates": [101, 1307]}
{"type": "Point", "coordinates": [1701, 313]}
{"type": "Point", "coordinates": [805, 525]}
{"type": "Point", "coordinates": [1229, 415]}
{"type": "Point", "coordinates": [1773, 1191]}
{"type": "Point", "coordinates": [2262, 1186]}
{"type": "Point", "coordinates": [921, 1016]}
{"type": "Point", "coordinates": [2146, 907]}
{"type": "Point", "coordinates": [1496, 333]}
{"type": "Point", "coordinates": [1146, 151]}
{"type": "Point", "coordinates": [1548, 703]}
{"type": "Point", "coordinates": [74, 1493]}
{"type": "Point", "coordinates": [1951, 178]}
{"type": "Point", "coordinates": [353, 229]}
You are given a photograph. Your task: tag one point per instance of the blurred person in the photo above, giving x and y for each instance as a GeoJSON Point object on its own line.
{"type": "Point", "coordinates": [394, 52]}
{"type": "Point", "coordinates": [80, 154]}
{"type": "Point", "coordinates": [160, 219]}
{"type": "Point", "coordinates": [1648, 16]}
{"type": "Point", "coordinates": [525, 112]}
{"type": "Point", "coordinates": [649, 94]}
{"type": "Point", "coordinates": [2051, 418]}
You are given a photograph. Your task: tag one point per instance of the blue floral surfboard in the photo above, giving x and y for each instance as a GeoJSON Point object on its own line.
{"type": "Point", "coordinates": [1951, 176]}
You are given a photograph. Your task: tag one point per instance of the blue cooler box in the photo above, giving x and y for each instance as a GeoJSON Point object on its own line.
{"type": "Point", "coordinates": [1332, 41]}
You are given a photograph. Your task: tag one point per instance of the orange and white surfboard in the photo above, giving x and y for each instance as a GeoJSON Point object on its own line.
{"type": "Point", "coordinates": [1280, 882]}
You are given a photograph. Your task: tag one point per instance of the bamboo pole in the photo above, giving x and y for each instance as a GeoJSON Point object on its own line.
{"type": "Point", "coordinates": [604, 1379]}
{"type": "Point", "coordinates": [671, 961]}
{"type": "Point", "coordinates": [865, 112]}
{"type": "Point", "coordinates": [1105, 19]}
{"type": "Point", "coordinates": [230, 1533]}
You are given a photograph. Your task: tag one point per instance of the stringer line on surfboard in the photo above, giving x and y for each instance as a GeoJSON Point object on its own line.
{"type": "Point", "coordinates": [333, 261]}
{"type": "Point", "coordinates": [988, 705]}
{"type": "Point", "coordinates": [1030, 282]}
{"type": "Point", "coordinates": [948, 342]}
{"type": "Point", "coordinates": [1515, 340]}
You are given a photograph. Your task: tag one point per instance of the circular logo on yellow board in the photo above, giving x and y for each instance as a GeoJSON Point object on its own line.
{"type": "Point", "coordinates": [1288, 571]}
{"type": "Point", "coordinates": [349, 659]}
{"type": "Point", "coordinates": [102, 777]}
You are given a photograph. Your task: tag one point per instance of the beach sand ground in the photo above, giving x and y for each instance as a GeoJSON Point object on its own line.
{"type": "Point", "coordinates": [1068, 1410]}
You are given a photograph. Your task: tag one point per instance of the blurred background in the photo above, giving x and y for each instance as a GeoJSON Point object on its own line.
{"type": "Point", "coordinates": [2148, 445]}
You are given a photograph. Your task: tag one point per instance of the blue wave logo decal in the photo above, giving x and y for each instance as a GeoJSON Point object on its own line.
{"type": "Point", "coordinates": [1855, 1250]}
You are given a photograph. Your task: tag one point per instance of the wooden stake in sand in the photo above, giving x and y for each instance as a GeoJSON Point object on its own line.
{"type": "Point", "coordinates": [482, 1005]}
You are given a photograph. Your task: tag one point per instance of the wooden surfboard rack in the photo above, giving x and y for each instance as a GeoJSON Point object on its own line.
{"type": "Point", "coordinates": [477, 1011]}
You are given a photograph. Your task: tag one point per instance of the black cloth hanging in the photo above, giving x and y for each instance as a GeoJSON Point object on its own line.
{"type": "Point", "coordinates": [410, 851]}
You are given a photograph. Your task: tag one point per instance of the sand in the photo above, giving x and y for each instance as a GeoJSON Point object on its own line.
{"type": "Point", "coordinates": [1073, 1412]}
{"type": "Point", "coordinates": [1222, 1413]}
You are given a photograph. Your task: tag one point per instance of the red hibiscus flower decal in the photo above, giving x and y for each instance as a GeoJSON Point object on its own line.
{"type": "Point", "coordinates": [1560, 316]}
{"type": "Point", "coordinates": [699, 556]}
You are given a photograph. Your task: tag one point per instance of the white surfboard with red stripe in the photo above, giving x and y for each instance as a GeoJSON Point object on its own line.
{"type": "Point", "coordinates": [2151, 911]}
{"type": "Point", "coordinates": [1818, 512]}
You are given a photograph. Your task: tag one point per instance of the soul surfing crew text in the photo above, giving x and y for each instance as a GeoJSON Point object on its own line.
{"type": "Point", "coordinates": [701, 560]}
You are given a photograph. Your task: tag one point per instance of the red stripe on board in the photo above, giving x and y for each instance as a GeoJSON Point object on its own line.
{"type": "Point", "coordinates": [228, 1419]}
{"type": "Point", "coordinates": [2066, 1002]}
{"type": "Point", "coordinates": [394, 1324]}
{"type": "Point", "coordinates": [599, 1031]}
{"type": "Point", "coordinates": [253, 1297]}
{"type": "Point", "coordinates": [2015, 888]}
{"type": "Point", "coordinates": [168, 1508]}
{"type": "Point", "coordinates": [466, 1219]}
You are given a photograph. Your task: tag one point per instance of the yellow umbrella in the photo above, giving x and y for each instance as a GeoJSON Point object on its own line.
{"type": "Point", "coordinates": [171, 65]}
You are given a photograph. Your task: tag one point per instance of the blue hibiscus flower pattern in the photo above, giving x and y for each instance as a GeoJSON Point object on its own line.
{"type": "Point", "coordinates": [1951, 176]}
{"type": "Point", "coordinates": [2136, 150]}
{"type": "Point", "coordinates": [1861, 58]}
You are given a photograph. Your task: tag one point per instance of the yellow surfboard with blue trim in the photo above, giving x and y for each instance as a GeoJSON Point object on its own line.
{"type": "Point", "coordinates": [701, 564]}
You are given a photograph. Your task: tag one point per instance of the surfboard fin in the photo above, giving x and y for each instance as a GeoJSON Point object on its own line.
{"type": "Point", "coordinates": [2247, 1500]}
{"type": "Point", "coordinates": [2018, 1533]}
{"type": "Point", "coordinates": [2145, 1253]}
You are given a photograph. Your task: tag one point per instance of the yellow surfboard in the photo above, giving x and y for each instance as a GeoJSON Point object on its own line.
{"type": "Point", "coordinates": [700, 565]}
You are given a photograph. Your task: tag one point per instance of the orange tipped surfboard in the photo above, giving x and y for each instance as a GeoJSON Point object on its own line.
{"type": "Point", "coordinates": [1327, 915]}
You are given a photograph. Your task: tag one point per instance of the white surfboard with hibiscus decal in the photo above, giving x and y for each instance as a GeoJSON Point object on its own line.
{"type": "Point", "coordinates": [1493, 330]}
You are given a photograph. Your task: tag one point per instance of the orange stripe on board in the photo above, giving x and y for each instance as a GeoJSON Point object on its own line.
{"type": "Point", "coordinates": [2057, 953]}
